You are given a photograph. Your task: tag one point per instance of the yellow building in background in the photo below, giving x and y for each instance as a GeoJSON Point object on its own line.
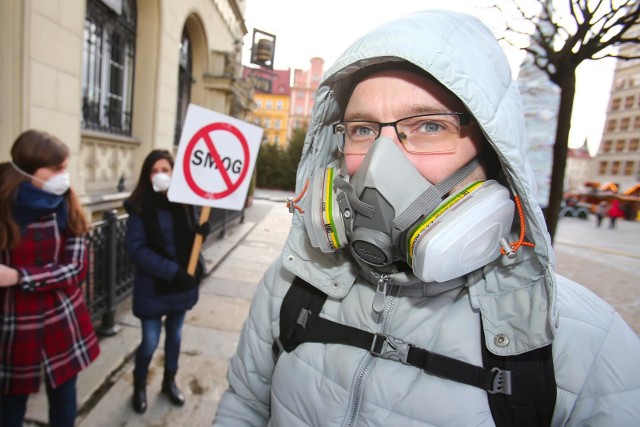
{"type": "Point", "coordinates": [272, 91]}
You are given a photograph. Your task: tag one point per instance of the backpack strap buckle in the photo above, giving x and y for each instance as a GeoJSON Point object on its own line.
{"type": "Point", "coordinates": [388, 347]}
{"type": "Point", "coordinates": [501, 382]}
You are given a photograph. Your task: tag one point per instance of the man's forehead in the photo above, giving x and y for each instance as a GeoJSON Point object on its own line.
{"type": "Point", "coordinates": [401, 77]}
{"type": "Point", "coordinates": [436, 97]}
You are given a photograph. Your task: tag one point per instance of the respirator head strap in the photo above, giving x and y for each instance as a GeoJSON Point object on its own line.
{"type": "Point", "coordinates": [433, 196]}
{"type": "Point", "coordinates": [457, 177]}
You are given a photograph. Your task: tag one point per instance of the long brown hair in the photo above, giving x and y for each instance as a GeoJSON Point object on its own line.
{"type": "Point", "coordinates": [32, 150]}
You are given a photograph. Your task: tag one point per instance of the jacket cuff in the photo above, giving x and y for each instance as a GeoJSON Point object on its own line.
{"type": "Point", "coordinates": [25, 282]}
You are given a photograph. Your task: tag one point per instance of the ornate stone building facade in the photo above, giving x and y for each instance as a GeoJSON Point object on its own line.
{"type": "Point", "coordinates": [112, 79]}
{"type": "Point", "coordinates": [618, 158]}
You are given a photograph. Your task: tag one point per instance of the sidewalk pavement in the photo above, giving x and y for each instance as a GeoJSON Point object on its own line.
{"type": "Point", "coordinates": [235, 264]}
{"type": "Point", "coordinates": [607, 261]}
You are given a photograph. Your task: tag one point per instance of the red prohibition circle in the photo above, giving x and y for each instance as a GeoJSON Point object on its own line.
{"type": "Point", "coordinates": [204, 135]}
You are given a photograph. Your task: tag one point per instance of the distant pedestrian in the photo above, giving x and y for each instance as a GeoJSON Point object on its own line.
{"type": "Point", "coordinates": [159, 240]}
{"type": "Point", "coordinates": [601, 212]}
{"type": "Point", "coordinates": [615, 212]}
{"type": "Point", "coordinates": [46, 333]}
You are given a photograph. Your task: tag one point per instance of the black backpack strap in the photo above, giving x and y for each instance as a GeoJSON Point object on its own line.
{"type": "Point", "coordinates": [300, 296]}
{"type": "Point", "coordinates": [300, 322]}
{"type": "Point", "coordinates": [533, 397]}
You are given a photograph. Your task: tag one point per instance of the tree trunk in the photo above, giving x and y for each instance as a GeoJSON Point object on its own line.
{"type": "Point", "coordinates": [567, 84]}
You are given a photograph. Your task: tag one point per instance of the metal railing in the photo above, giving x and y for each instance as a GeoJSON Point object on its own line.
{"type": "Point", "coordinates": [110, 274]}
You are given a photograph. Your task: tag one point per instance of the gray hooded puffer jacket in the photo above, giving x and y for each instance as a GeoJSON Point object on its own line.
{"type": "Point", "coordinates": [522, 299]}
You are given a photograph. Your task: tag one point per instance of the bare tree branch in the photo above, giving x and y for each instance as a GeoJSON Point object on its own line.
{"type": "Point", "coordinates": [582, 30]}
{"type": "Point", "coordinates": [574, 9]}
{"type": "Point", "coordinates": [623, 57]}
{"type": "Point", "coordinates": [587, 30]}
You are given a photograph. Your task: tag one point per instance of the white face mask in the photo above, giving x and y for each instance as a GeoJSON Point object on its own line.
{"type": "Point", "coordinates": [57, 184]}
{"type": "Point", "coordinates": [160, 182]}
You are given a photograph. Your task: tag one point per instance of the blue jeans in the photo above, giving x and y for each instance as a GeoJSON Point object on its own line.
{"type": "Point", "coordinates": [62, 406]}
{"type": "Point", "coordinates": [151, 335]}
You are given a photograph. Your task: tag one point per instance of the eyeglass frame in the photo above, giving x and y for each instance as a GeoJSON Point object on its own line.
{"type": "Point", "coordinates": [464, 119]}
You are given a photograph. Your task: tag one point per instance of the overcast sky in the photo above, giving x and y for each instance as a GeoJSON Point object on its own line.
{"type": "Point", "coordinates": [324, 28]}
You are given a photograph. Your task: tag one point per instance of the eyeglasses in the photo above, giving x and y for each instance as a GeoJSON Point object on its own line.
{"type": "Point", "coordinates": [421, 134]}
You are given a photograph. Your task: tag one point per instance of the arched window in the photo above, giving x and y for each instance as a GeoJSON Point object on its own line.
{"type": "Point", "coordinates": [184, 84]}
{"type": "Point", "coordinates": [107, 65]}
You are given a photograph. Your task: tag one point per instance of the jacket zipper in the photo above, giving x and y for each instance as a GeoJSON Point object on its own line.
{"type": "Point", "coordinates": [356, 394]}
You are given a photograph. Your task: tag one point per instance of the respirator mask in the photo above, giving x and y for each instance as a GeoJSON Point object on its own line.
{"type": "Point", "coordinates": [58, 184]}
{"type": "Point", "coordinates": [160, 182]}
{"type": "Point", "coordinates": [387, 213]}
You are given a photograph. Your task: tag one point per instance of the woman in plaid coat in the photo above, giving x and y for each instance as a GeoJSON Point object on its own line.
{"type": "Point", "coordinates": [44, 323]}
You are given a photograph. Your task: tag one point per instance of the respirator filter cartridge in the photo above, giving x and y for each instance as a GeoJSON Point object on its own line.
{"type": "Point", "coordinates": [322, 216]}
{"type": "Point", "coordinates": [462, 234]}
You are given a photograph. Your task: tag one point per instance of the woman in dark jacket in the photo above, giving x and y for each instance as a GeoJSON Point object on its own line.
{"type": "Point", "coordinates": [159, 240]}
{"type": "Point", "coordinates": [44, 323]}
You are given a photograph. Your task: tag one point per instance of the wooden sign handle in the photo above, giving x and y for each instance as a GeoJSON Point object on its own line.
{"type": "Point", "coordinates": [197, 242]}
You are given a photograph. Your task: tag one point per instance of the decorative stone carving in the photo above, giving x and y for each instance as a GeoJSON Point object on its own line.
{"type": "Point", "coordinates": [104, 161]}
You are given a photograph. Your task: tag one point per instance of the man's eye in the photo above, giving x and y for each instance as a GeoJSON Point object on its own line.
{"type": "Point", "coordinates": [361, 131]}
{"type": "Point", "coordinates": [431, 127]}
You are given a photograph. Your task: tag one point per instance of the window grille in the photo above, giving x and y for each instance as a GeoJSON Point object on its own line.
{"type": "Point", "coordinates": [107, 66]}
{"type": "Point", "coordinates": [185, 79]}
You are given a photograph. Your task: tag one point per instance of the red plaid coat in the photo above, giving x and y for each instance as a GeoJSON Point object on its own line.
{"type": "Point", "coordinates": [44, 322]}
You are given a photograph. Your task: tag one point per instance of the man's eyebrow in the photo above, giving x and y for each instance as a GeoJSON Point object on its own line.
{"type": "Point", "coordinates": [358, 116]}
{"type": "Point", "coordinates": [422, 109]}
{"type": "Point", "coordinates": [411, 111]}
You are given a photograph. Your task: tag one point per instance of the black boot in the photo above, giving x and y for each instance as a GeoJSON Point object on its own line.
{"type": "Point", "coordinates": [170, 389]}
{"type": "Point", "coordinates": [140, 394]}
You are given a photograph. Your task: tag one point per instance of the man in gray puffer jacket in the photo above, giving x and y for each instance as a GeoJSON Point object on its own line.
{"type": "Point", "coordinates": [420, 225]}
